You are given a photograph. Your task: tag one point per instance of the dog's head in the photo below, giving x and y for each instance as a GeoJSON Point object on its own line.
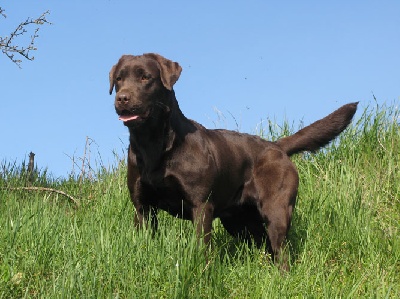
{"type": "Point", "coordinates": [142, 84]}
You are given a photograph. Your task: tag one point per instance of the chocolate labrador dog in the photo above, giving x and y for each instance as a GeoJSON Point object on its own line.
{"type": "Point", "coordinates": [177, 165]}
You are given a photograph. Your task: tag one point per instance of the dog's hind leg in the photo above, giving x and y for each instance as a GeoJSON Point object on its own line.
{"type": "Point", "coordinates": [278, 226]}
{"type": "Point", "coordinates": [276, 181]}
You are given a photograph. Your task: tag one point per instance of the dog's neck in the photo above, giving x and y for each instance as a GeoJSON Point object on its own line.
{"type": "Point", "coordinates": [151, 141]}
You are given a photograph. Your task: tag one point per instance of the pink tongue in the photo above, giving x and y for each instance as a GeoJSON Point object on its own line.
{"type": "Point", "coordinates": [126, 118]}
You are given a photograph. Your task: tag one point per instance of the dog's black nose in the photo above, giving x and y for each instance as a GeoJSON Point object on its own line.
{"type": "Point", "coordinates": [123, 97]}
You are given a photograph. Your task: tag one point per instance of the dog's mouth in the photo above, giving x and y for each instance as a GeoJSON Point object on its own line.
{"type": "Point", "coordinates": [131, 117]}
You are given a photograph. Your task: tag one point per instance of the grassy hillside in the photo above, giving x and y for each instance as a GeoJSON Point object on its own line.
{"type": "Point", "coordinates": [344, 241]}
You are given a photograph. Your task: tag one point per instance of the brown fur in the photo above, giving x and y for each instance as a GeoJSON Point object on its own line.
{"type": "Point", "coordinates": [177, 165]}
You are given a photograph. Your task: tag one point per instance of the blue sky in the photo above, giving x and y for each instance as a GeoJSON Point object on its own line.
{"type": "Point", "coordinates": [294, 60]}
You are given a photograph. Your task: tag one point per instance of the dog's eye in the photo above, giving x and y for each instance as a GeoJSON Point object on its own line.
{"type": "Point", "coordinates": [145, 77]}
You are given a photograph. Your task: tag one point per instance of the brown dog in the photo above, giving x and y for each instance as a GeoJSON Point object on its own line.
{"type": "Point", "coordinates": [177, 165]}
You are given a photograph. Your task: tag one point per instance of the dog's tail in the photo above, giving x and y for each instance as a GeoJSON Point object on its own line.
{"type": "Point", "coordinates": [319, 133]}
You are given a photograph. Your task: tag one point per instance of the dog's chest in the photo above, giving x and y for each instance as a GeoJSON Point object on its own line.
{"type": "Point", "coordinates": [164, 193]}
{"type": "Point", "coordinates": [171, 199]}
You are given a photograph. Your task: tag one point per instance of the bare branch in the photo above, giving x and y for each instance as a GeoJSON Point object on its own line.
{"type": "Point", "coordinates": [9, 46]}
{"type": "Point", "coordinates": [72, 199]}
{"type": "Point", "coordinates": [2, 12]}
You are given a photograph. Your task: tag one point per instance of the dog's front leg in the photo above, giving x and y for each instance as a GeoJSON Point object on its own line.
{"type": "Point", "coordinates": [144, 215]}
{"type": "Point", "coordinates": [202, 218]}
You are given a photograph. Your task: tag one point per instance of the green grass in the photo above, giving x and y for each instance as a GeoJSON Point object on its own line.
{"type": "Point", "coordinates": [344, 241]}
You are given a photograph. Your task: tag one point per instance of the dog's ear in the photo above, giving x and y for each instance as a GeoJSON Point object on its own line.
{"type": "Point", "coordinates": [169, 70]}
{"type": "Point", "coordinates": [112, 77]}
